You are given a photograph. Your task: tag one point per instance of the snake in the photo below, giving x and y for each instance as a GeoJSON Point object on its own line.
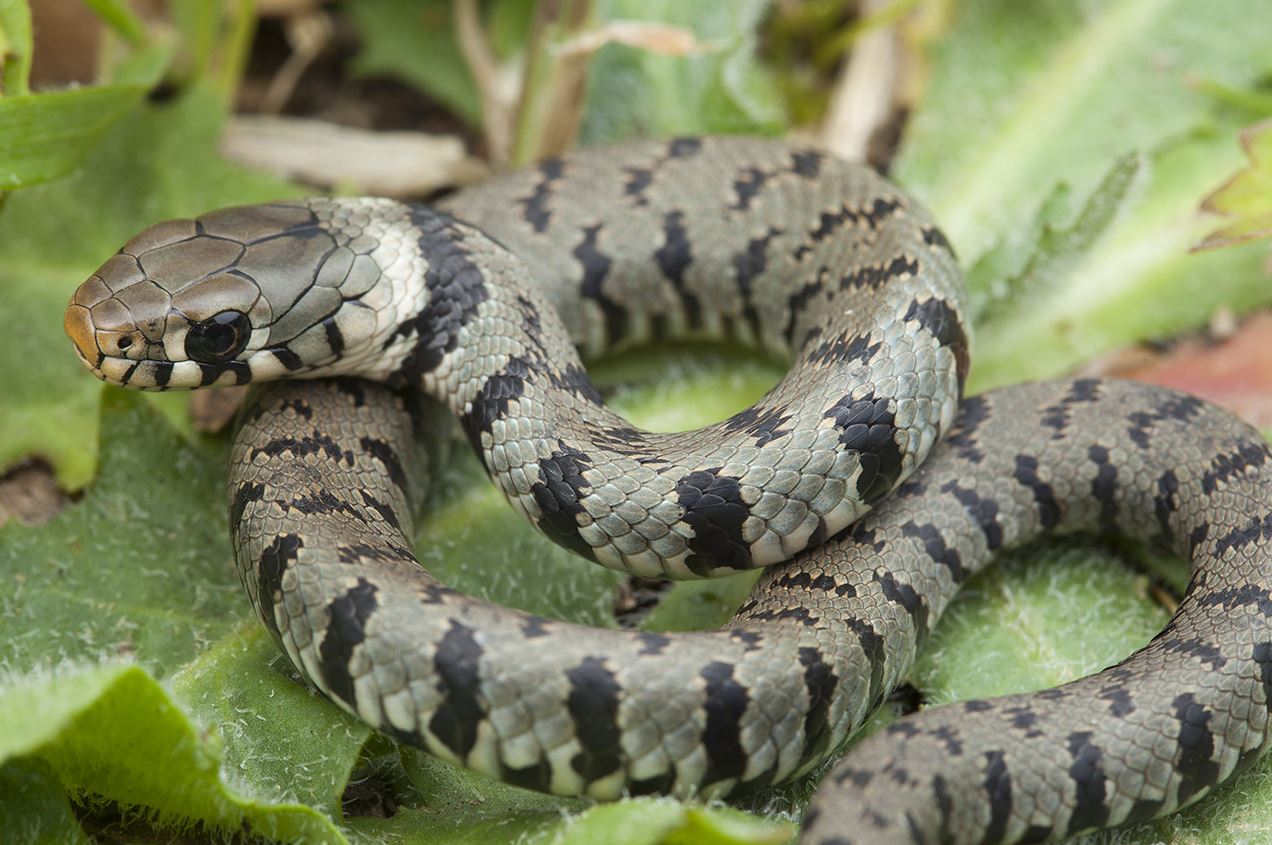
{"type": "Point", "coordinates": [863, 482]}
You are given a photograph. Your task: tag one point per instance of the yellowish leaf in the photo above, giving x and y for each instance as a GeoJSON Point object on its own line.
{"type": "Point", "coordinates": [1247, 196]}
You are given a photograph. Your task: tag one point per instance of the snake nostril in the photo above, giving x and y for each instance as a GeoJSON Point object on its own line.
{"type": "Point", "coordinates": [123, 343]}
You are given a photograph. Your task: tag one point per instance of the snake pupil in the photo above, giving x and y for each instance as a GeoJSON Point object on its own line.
{"type": "Point", "coordinates": [218, 338]}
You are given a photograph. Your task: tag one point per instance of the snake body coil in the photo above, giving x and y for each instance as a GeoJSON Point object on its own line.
{"type": "Point", "coordinates": [791, 250]}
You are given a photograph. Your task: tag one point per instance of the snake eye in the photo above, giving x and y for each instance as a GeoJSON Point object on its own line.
{"type": "Point", "coordinates": [218, 338]}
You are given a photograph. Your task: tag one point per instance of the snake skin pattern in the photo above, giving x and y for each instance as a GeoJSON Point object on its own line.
{"type": "Point", "coordinates": [788, 249]}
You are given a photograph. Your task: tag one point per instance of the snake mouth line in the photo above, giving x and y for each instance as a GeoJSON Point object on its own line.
{"type": "Point", "coordinates": [150, 376]}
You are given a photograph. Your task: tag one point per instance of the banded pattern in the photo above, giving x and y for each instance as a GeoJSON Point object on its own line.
{"type": "Point", "coordinates": [785, 248]}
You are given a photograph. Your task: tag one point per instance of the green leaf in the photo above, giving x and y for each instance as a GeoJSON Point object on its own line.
{"type": "Point", "coordinates": [633, 92]}
{"type": "Point", "coordinates": [415, 42]}
{"type": "Point", "coordinates": [113, 732]}
{"type": "Point", "coordinates": [1002, 288]}
{"type": "Point", "coordinates": [140, 569]}
{"type": "Point", "coordinates": [35, 807]}
{"type": "Point", "coordinates": [159, 162]}
{"type": "Point", "coordinates": [1246, 196]}
{"type": "Point", "coordinates": [15, 46]}
{"type": "Point", "coordinates": [158, 506]}
{"type": "Point", "coordinates": [43, 136]}
{"type": "Point", "coordinates": [1022, 99]}
{"type": "Point", "coordinates": [121, 19]}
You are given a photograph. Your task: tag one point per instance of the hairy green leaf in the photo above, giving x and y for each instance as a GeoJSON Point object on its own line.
{"type": "Point", "coordinates": [112, 732]}
{"type": "Point", "coordinates": [1025, 97]}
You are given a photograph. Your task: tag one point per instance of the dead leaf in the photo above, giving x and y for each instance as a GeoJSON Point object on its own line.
{"type": "Point", "coordinates": [1235, 373]}
{"type": "Point", "coordinates": [654, 37]}
{"type": "Point", "coordinates": [393, 164]}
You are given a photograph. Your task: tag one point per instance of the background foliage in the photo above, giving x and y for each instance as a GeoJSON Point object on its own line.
{"type": "Point", "coordinates": [1067, 146]}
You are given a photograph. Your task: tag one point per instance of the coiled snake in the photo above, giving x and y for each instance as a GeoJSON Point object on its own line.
{"type": "Point", "coordinates": [812, 258]}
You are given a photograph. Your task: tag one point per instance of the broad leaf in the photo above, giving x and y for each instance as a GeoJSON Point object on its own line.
{"type": "Point", "coordinates": [1028, 98]}
{"type": "Point", "coordinates": [1247, 197]}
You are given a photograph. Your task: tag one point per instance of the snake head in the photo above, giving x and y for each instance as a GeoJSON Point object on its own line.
{"type": "Point", "coordinates": [237, 295]}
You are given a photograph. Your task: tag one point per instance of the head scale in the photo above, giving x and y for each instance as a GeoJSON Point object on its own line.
{"type": "Point", "coordinates": [237, 295]}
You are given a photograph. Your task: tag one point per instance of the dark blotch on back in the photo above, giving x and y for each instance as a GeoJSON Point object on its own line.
{"type": "Point", "coordinates": [908, 598]}
{"type": "Point", "coordinates": [721, 737]}
{"type": "Point", "coordinates": [1044, 496]}
{"type": "Point", "coordinates": [764, 424]}
{"type": "Point", "coordinates": [940, 320]}
{"type": "Point", "coordinates": [1104, 486]}
{"type": "Point", "coordinates": [872, 646]}
{"type": "Point", "coordinates": [1165, 502]}
{"type": "Point", "coordinates": [875, 276]}
{"type": "Point", "coordinates": [807, 163]}
{"type": "Point", "coordinates": [638, 181]}
{"type": "Point", "coordinates": [492, 400]}
{"type": "Point", "coordinates": [997, 786]}
{"type": "Point", "coordinates": [1258, 528]}
{"type": "Point", "coordinates": [535, 206]}
{"type": "Point", "coordinates": [557, 494]}
{"type": "Point", "coordinates": [314, 443]}
{"type": "Point", "coordinates": [596, 266]}
{"type": "Point", "coordinates": [844, 350]}
{"type": "Point", "coordinates": [574, 379]}
{"type": "Point", "coordinates": [593, 705]}
{"type": "Point", "coordinates": [866, 427]}
{"type": "Point", "coordinates": [278, 555]}
{"type": "Point", "coordinates": [245, 495]}
{"type": "Point", "coordinates": [674, 258]}
{"type": "Point", "coordinates": [972, 413]}
{"type": "Point", "coordinates": [713, 507]}
{"type": "Point", "coordinates": [820, 682]}
{"type": "Point", "coordinates": [1056, 417]}
{"type": "Point", "coordinates": [383, 452]}
{"type": "Point", "coordinates": [382, 508]}
{"type": "Point", "coordinates": [346, 629]}
{"type": "Point", "coordinates": [747, 265]}
{"type": "Point", "coordinates": [983, 510]}
{"type": "Point", "coordinates": [1229, 465]}
{"type": "Point", "coordinates": [1089, 783]}
{"type": "Point", "coordinates": [1196, 746]}
{"type": "Point", "coordinates": [457, 717]}
{"type": "Point", "coordinates": [932, 236]}
{"type": "Point", "coordinates": [1174, 408]}
{"type": "Point", "coordinates": [683, 147]}
{"type": "Point", "coordinates": [748, 186]}
{"type": "Point", "coordinates": [652, 643]}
